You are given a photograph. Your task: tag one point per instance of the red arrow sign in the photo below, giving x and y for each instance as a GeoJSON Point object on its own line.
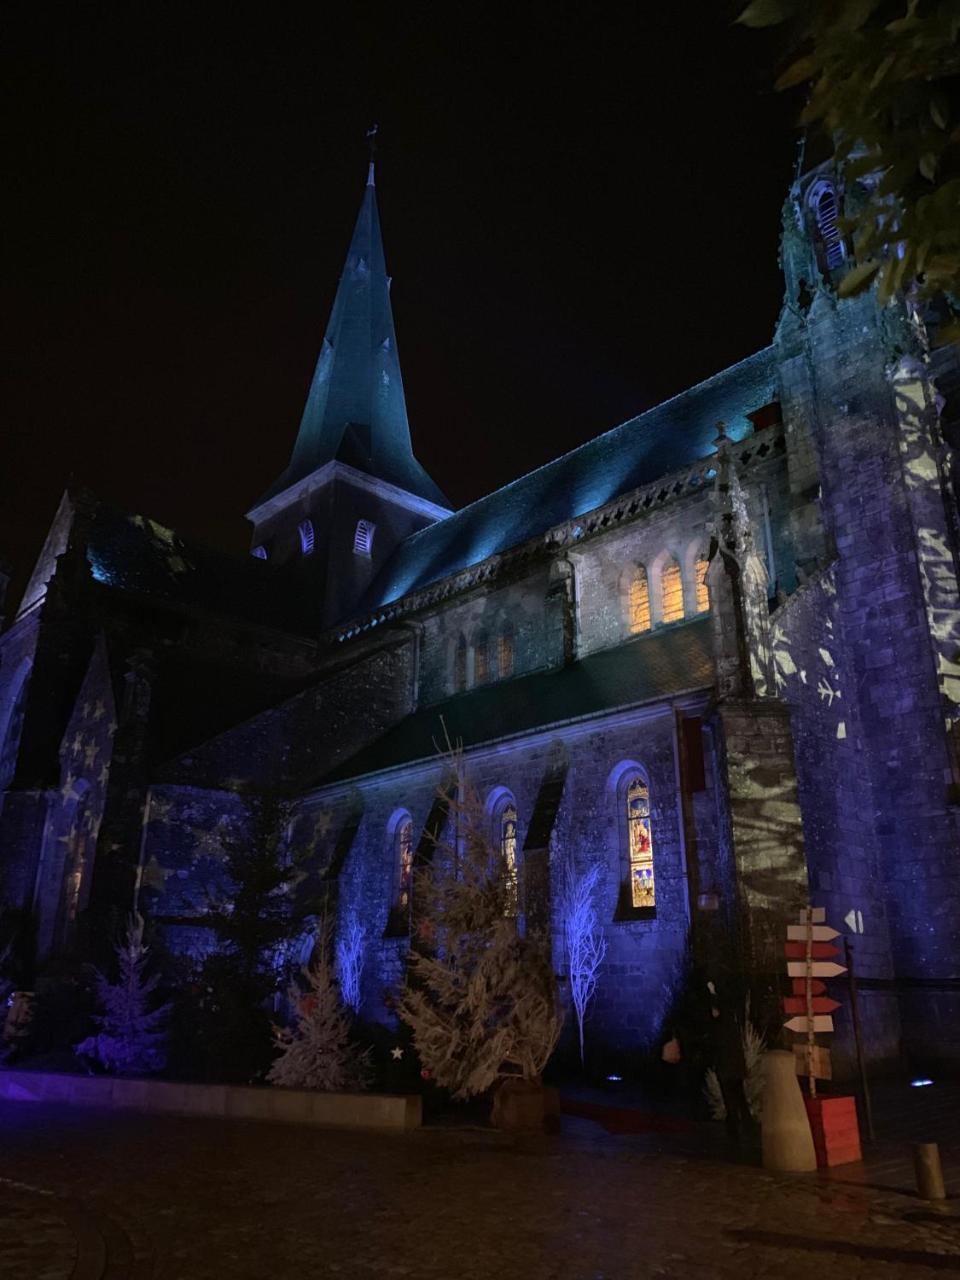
{"type": "Point", "coordinates": [819, 950]}
{"type": "Point", "coordinates": [798, 1004]}
{"type": "Point", "coordinates": [817, 988]}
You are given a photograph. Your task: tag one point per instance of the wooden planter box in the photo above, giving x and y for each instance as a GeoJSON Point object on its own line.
{"type": "Point", "coordinates": [836, 1133]}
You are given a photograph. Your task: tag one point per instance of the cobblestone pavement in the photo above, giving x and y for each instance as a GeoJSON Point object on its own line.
{"type": "Point", "coordinates": [87, 1194]}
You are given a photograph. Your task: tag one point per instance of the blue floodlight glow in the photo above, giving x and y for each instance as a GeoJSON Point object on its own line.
{"type": "Point", "coordinates": [615, 1079]}
{"type": "Point", "coordinates": [920, 1083]}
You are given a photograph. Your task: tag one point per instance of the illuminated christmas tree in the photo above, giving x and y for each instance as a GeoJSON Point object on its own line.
{"type": "Point", "coordinates": [132, 1037]}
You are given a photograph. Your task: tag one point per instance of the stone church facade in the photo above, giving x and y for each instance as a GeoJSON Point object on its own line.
{"type": "Point", "coordinates": [715, 650]}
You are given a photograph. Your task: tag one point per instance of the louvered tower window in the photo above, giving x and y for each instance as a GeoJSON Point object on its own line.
{"type": "Point", "coordinates": [671, 592]}
{"type": "Point", "coordinates": [306, 536]}
{"type": "Point", "coordinates": [824, 201]}
{"type": "Point", "coordinates": [363, 538]}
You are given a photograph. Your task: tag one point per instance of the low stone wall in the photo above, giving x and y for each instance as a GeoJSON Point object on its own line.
{"type": "Point", "coordinates": [289, 1106]}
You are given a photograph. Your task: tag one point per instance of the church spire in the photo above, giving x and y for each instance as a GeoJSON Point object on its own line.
{"type": "Point", "coordinates": [355, 411]}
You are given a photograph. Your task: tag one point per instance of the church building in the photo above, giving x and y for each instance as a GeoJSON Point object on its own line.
{"type": "Point", "coordinates": [714, 651]}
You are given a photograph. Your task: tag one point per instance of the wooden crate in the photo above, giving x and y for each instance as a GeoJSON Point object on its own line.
{"type": "Point", "coordinates": [836, 1132]}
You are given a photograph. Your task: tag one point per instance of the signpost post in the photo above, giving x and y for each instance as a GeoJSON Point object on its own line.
{"type": "Point", "coordinates": [811, 958]}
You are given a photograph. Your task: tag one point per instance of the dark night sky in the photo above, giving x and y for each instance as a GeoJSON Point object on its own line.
{"type": "Point", "coordinates": [580, 207]}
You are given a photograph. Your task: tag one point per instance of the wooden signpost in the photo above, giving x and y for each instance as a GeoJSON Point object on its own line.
{"type": "Point", "coordinates": [811, 958]}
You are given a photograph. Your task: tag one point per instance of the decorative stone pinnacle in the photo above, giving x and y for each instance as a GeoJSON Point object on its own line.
{"type": "Point", "coordinates": [722, 438]}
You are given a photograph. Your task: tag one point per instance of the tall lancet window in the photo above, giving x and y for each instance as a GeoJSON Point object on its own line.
{"type": "Point", "coordinates": [638, 601]}
{"type": "Point", "coordinates": [404, 840]}
{"type": "Point", "coordinates": [460, 665]}
{"type": "Point", "coordinates": [671, 592]}
{"type": "Point", "coordinates": [700, 580]}
{"type": "Point", "coordinates": [505, 652]}
{"type": "Point", "coordinates": [305, 529]}
{"type": "Point", "coordinates": [507, 833]}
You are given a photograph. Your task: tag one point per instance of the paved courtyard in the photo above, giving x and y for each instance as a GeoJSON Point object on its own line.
{"type": "Point", "coordinates": [87, 1194]}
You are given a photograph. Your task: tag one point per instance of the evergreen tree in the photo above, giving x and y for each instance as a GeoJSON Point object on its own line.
{"type": "Point", "coordinates": [317, 1053]}
{"type": "Point", "coordinates": [251, 916]}
{"type": "Point", "coordinates": [132, 1037]}
{"type": "Point", "coordinates": [480, 998]}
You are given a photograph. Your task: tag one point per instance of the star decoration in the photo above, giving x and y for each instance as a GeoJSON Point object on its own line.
{"type": "Point", "coordinates": [67, 791]}
{"type": "Point", "coordinates": [396, 1054]}
{"type": "Point", "coordinates": [100, 710]}
{"type": "Point", "coordinates": [77, 745]}
{"type": "Point", "coordinates": [112, 728]}
{"type": "Point", "coordinates": [103, 775]}
{"type": "Point", "coordinates": [90, 754]}
{"type": "Point", "coordinates": [69, 838]}
{"type": "Point", "coordinates": [86, 710]}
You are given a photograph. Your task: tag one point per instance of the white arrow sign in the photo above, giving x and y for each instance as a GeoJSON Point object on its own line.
{"type": "Point", "coordinates": [818, 933]}
{"type": "Point", "coordinates": [821, 1022]}
{"type": "Point", "coordinates": [819, 969]}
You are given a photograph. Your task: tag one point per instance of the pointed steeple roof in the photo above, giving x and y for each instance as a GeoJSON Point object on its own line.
{"type": "Point", "coordinates": [355, 411]}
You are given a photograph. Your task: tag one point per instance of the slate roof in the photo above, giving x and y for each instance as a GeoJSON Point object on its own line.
{"type": "Point", "coordinates": [656, 442]}
{"type": "Point", "coordinates": [652, 667]}
{"type": "Point", "coordinates": [356, 411]}
{"type": "Point", "coordinates": [135, 553]}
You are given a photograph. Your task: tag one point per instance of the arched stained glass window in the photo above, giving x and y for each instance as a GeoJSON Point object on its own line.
{"type": "Point", "coordinates": [505, 653]}
{"type": "Point", "coordinates": [671, 592]}
{"type": "Point", "coordinates": [460, 665]}
{"type": "Point", "coordinates": [703, 595]}
{"type": "Point", "coordinates": [638, 601]}
{"type": "Point", "coordinates": [481, 659]}
{"type": "Point", "coordinates": [639, 843]}
{"type": "Point", "coordinates": [404, 852]}
{"type": "Point", "coordinates": [508, 854]}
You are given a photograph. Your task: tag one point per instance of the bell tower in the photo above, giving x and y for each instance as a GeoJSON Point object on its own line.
{"type": "Point", "coordinates": [353, 489]}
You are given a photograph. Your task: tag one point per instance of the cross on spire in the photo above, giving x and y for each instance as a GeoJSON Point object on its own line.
{"type": "Point", "coordinates": [371, 136]}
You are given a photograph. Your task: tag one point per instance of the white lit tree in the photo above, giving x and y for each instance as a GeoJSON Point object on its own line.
{"type": "Point", "coordinates": [585, 943]}
{"type": "Point", "coordinates": [132, 1036]}
{"type": "Point", "coordinates": [316, 1053]}
{"type": "Point", "coordinates": [350, 962]}
{"type": "Point", "coordinates": [480, 998]}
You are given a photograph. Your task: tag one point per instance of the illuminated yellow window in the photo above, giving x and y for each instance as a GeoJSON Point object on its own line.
{"type": "Point", "coordinates": [703, 595]}
{"type": "Point", "coordinates": [481, 660]}
{"type": "Point", "coordinates": [638, 601]}
{"type": "Point", "coordinates": [505, 654]}
{"type": "Point", "coordinates": [508, 854]}
{"type": "Point", "coordinates": [671, 592]}
{"type": "Point", "coordinates": [640, 845]}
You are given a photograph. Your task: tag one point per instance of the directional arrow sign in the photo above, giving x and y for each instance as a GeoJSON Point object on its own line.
{"type": "Point", "coordinates": [798, 1004]}
{"type": "Point", "coordinates": [821, 1022]}
{"type": "Point", "coordinates": [817, 988]}
{"type": "Point", "coordinates": [819, 969]}
{"type": "Point", "coordinates": [819, 950]}
{"type": "Point", "coordinates": [819, 933]}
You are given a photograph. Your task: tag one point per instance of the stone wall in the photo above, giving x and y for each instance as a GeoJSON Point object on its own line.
{"type": "Point", "coordinates": [646, 956]}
